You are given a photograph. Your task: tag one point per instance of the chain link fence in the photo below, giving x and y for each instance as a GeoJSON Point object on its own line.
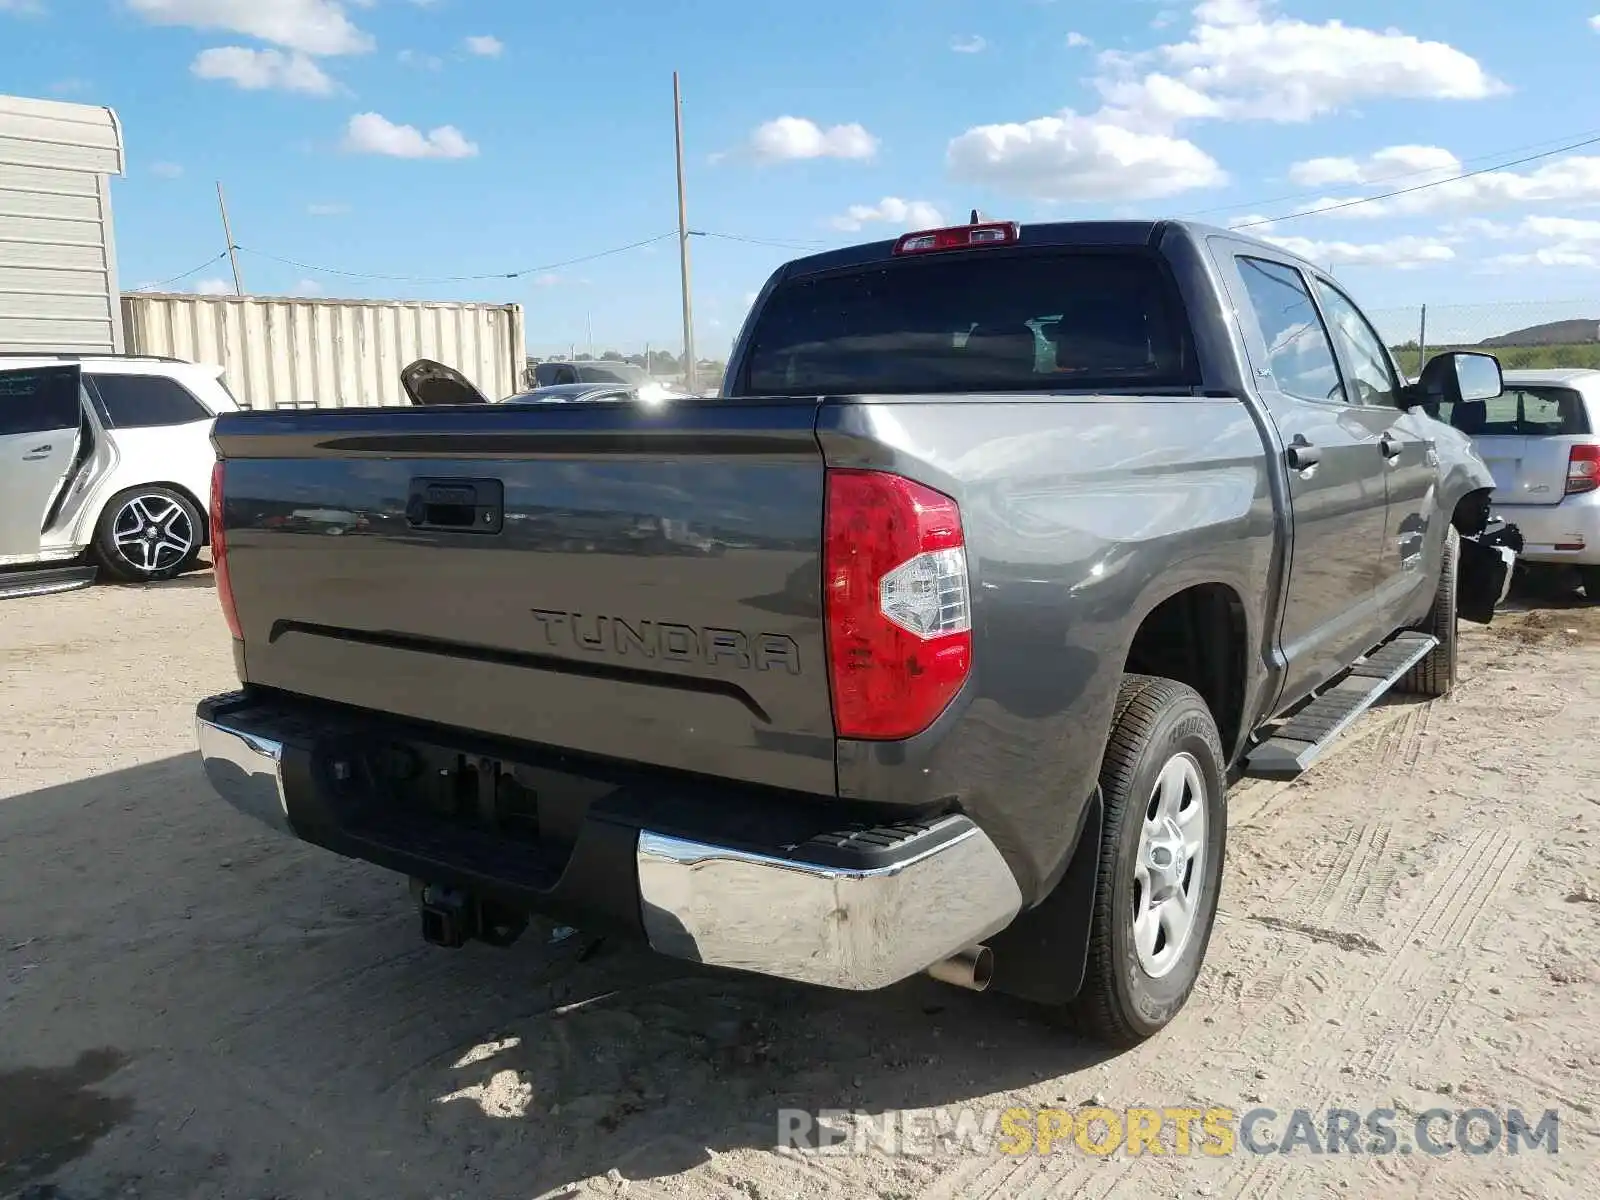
{"type": "Point", "coordinates": [1523, 334]}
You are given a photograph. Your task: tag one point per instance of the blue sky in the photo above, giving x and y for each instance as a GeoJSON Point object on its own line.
{"type": "Point", "coordinates": [443, 138]}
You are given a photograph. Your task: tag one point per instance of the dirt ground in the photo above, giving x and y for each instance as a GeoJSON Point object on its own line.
{"type": "Point", "coordinates": [190, 1008]}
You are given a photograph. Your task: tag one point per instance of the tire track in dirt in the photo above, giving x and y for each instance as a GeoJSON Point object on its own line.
{"type": "Point", "coordinates": [1410, 996]}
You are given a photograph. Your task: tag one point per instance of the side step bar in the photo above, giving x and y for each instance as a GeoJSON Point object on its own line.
{"type": "Point", "coordinates": [44, 581]}
{"type": "Point", "coordinates": [1304, 738]}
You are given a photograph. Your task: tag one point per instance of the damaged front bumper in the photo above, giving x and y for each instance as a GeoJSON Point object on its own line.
{"type": "Point", "coordinates": [1483, 580]}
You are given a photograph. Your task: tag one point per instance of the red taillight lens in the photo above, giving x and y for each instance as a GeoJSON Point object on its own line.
{"type": "Point", "coordinates": [959, 237]}
{"type": "Point", "coordinates": [1583, 469]}
{"type": "Point", "coordinates": [219, 553]}
{"type": "Point", "coordinates": [898, 602]}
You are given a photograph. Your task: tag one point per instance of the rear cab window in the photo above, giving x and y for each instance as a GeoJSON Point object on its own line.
{"type": "Point", "coordinates": [1519, 411]}
{"type": "Point", "coordinates": [1030, 320]}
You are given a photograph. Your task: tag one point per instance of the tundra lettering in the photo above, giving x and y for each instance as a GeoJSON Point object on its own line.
{"type": "Point", "coordinates": [670, 642]}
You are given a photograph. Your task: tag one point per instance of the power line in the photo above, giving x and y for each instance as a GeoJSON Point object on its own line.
{"type": "Point", "coordinates": [1422, 187]}
{"type": "Point", "coordinates": [734, 237]}
{"type": "Point", "coordinates": [568, 262]}
{"type": "Point", "coordinates": [150, 287]}
{"type": "Point", "coordinates": [1382, 179]}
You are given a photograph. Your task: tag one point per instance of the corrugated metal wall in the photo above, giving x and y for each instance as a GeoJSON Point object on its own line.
{"type": "Point", "coordinates": [58, 261]}
{"type": "Point", "coordinates": [279, 352]}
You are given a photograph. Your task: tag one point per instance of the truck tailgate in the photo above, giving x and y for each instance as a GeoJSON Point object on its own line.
{"type": "Point", "coordinates": [638, 585]}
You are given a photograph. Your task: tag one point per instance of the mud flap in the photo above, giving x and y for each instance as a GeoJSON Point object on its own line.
{"type": "Point", "coordinates": [1485, 570]}
{"type": "Point", "coordinates": [1042, 955]}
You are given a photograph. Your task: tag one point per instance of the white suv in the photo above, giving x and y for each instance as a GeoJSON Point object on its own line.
{"type": "Point", "coordinates": [105, 458]}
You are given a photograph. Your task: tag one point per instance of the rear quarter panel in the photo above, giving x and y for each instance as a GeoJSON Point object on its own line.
{"type": "Point", "coordinates": [1081, 514]}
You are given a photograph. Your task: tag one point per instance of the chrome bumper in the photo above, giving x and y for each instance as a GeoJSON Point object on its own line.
{"type": "Point", "coordinates": [857, 929]}
{"type": "Point", "coordinates": [246, 770]}
{"type": "Point", "coordinates": [853, 929]}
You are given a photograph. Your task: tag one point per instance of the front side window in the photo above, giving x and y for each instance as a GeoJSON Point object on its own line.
{"type": "Point", "coordinates": [1299, 354]}
{"type": "Point", "coordinates": [39, 401]}
{"type": "Point", "coordinates": [147, 401]}
{"type": "Point", "coordinates": [1372, 379]}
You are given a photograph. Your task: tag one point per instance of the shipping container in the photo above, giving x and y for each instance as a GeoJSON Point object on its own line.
{"type": "Point", "coordinates": [287, 352]}
{"type": "Point", "coordinates": [58, 260]}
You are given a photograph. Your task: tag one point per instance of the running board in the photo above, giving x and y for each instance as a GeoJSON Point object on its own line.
{"type": "Point", "coordinates": [45, 581]}
{"type": "Point", "coordinates": [1302, 739]}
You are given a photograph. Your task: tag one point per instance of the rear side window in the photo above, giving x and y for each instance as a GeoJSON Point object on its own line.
{"type": "Point", "coordinates": [974, 322]}
{"type": "Point", "coordinates": [1299, 354]}
{"type": "Point", "coordinates": [1522, 412]}
{"type": "Point", "coordinates": [145, 401]}
{"type": "Point", "coordinates": [38, 401]}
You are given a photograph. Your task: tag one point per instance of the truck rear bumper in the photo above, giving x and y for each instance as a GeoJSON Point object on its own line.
{"type": "Point", "coordinates": [858, 909]}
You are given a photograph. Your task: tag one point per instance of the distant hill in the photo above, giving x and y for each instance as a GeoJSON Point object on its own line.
{"type": "Point", "coordinates": [1552, 333]}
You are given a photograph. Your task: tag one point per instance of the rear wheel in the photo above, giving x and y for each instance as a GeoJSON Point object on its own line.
{"type": "Point", "coordinates": [1160, 869]}
{"type": "Point", "coordinates": [1435, 675]}
{"type": "Point", "coordinates": [148, 534]}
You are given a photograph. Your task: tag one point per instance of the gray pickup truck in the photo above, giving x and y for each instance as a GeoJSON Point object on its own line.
{"type": "Point", "coordinates": [933, 646]}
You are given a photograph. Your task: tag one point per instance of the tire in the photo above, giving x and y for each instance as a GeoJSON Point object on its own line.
{"type": "Point", "coordinates": [1135, 984]}
{"type": "Point", "coordinates": [1435, 675]}
{"type": "Point", "coordinates": [148, 534]}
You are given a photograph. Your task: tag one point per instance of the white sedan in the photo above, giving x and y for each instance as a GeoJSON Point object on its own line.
{"type": "Point", "coordinates": [1541, 439]}
{"type": "Point", "coordinates": [105, 463]}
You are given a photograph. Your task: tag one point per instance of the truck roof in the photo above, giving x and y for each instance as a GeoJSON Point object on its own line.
{"type": "Point", "coordinates": [1046, 233]}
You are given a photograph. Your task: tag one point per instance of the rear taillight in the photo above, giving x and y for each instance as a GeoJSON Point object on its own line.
{"type": "Point", "coordinates": [1583, 469]}
{"type": "Point", "coordinates": [959, 237]}
{"type": "Point", "coordinates": [219, 553]}
{"type": "Point", "coordinates": [898, 603]}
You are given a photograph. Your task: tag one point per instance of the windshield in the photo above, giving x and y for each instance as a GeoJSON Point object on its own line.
{"type": "Point", "coordinates": [613, 372]}
{"type": "Point", "coordinates": [1011, 322]}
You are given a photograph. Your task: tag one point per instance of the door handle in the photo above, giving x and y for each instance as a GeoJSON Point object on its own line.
{"type": "Point", "coordinates": [1302, 455]}
{"type": "Point", "coordinates": [37, 453]}
{"type": "Point", "coordinates": [1391, 448]}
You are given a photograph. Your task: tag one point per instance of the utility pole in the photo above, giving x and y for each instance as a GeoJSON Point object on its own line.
{"type": "Point", "coordinates": [233, 255]}
{"type": "Point", "coordinates": [1422, 341]}
{"type": "Point", "coordinates": [691, 376]}
{"type": "Point", "coordinates": [588, 324]}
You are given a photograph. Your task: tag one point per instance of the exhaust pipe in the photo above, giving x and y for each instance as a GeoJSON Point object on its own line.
{"type": "Point", "coordinates": [972, 969]}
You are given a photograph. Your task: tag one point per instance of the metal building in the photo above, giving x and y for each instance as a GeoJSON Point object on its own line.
{"type": "Point", "coordinates": [58, 259]}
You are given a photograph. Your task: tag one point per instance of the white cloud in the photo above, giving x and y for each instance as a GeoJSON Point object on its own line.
{"type": "Point", "coordinates": [1075, 158]}
{"type": "Point", "coordinates": [1571, 180]}
{"type": "Point", "coordinates": [974, 44]}
{"type": "Point", "coordinates": [548, 279]}
{"type": "Point", "coordinates": [412, 58]}
{"type": "Point", "coordinates": [1594, 22]}
{"type": "Point", "coordinates": [1402, 253]}
{"type": "Point", "coordinates": [1077, 40]}
{"type": "Point", "coordinates": [213, 287]}
{"type": "Point", "coordinates": [166, 170]}
{"type": "Point", "coordinates": [327, 210]}
{"type": "Point", "coordinates": [1252, 223]}
{"type": "Point", "coordinates": [1391, 163]}
{"type": "Point", "coordinates": [1241, 60]}
{"type": "Point", "coordinates": [23, 8]}
{"type": "Point", "coordinates": [1568, 242]}
{"type": "Point", "coordinates": [371, 133]}
{"type": "Point", "coordinates": [791, 138]}
{"type": "Point", "coordinates": [891, 210]}
{"type": "Point", "coordinates": [486, 46]}
{"type": "Point", "coordinates": [259, 70]}
{"type": "Point", "coordinates": [306, 287]}
{"type": "Point", "coordinates": [316, 27]}
{"type": "Point", "coordinates": [1253, 64]}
